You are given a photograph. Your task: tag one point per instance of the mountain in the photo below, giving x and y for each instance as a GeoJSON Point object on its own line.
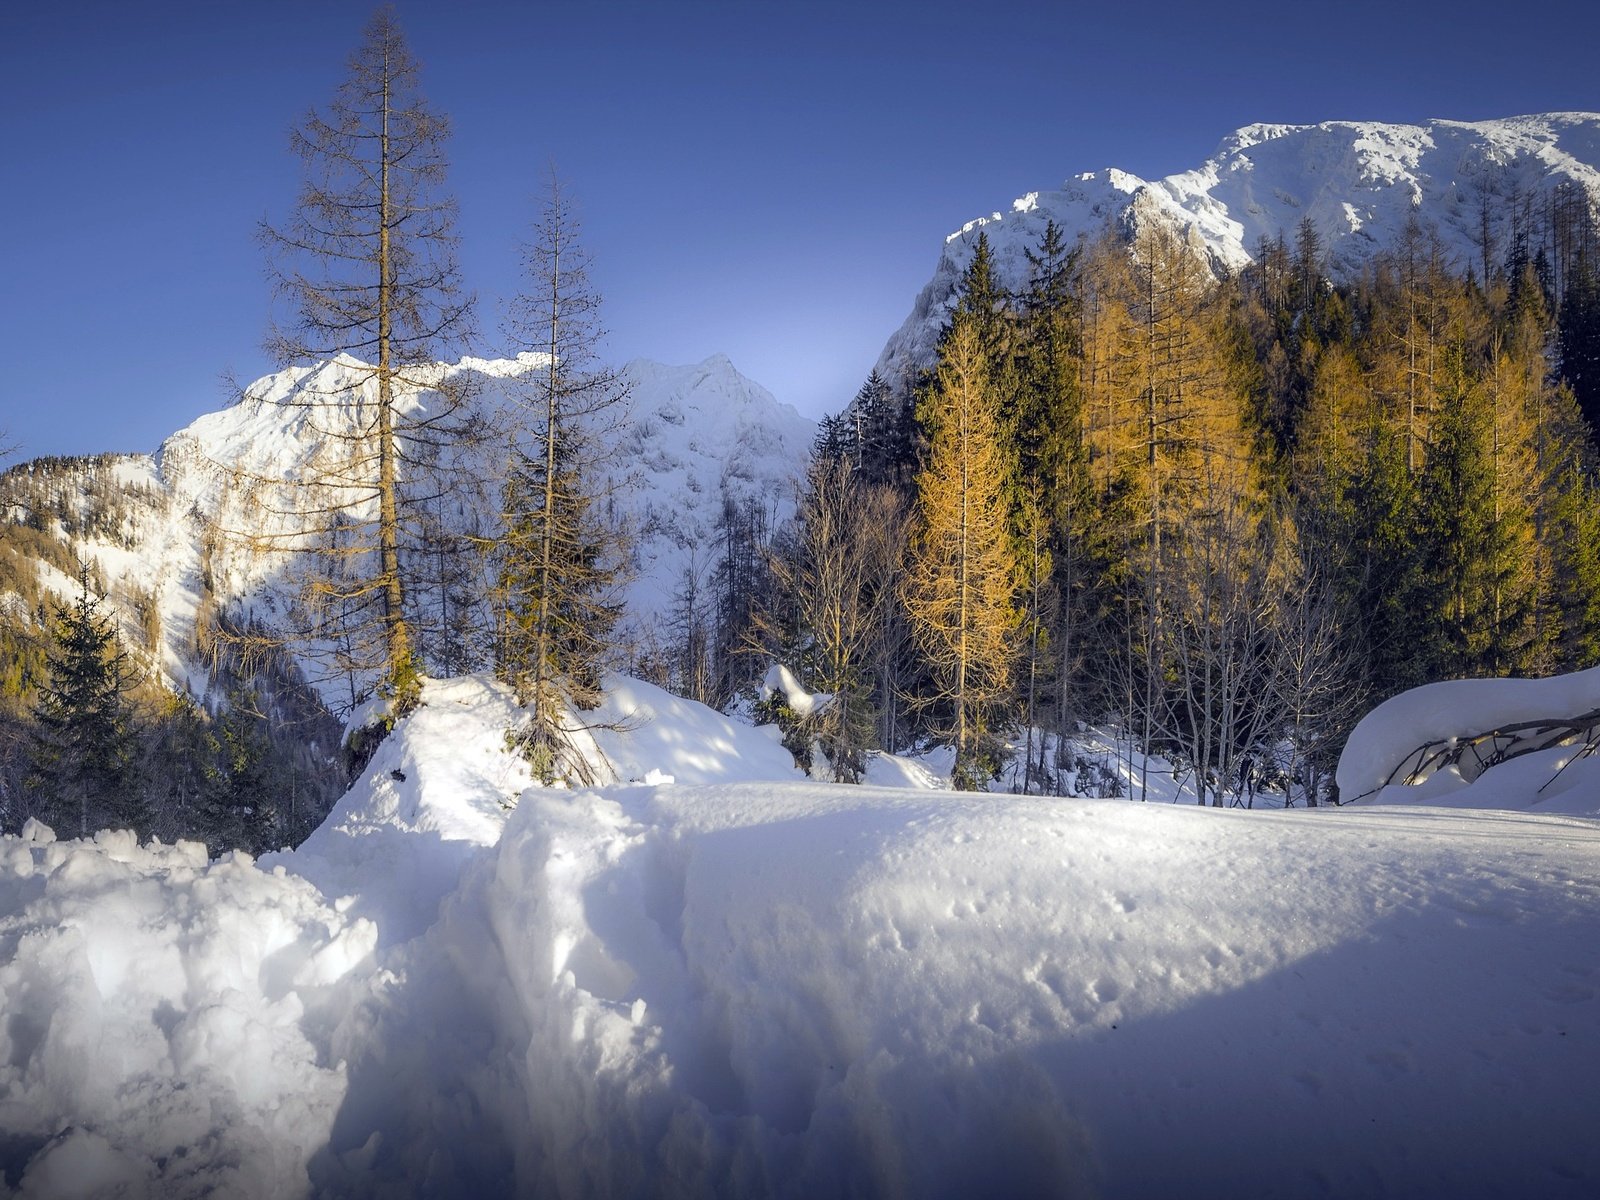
{"type": "Point", "coordinates": [174, 537]}
{"type": "Point", "coordinates": [1358, 182]}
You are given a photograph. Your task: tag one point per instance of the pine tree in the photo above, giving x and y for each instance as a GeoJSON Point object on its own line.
{"type": "Point", "coordinates": [83, 759]}
{"type": "Point", "coordinates": [247, 791]}
{"type": "Point", "coordinates": [367, 262]}
{"type": "Point", "coordinates": [558, 559]}
{"type": "Point", "coordinates": [962, 573]}
{"type": "Point", "coordinates": [1580, 337]}
{"type": "Point", "coordinates": [1573, 535]}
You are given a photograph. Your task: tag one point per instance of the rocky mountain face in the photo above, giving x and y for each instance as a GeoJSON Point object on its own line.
{"type": "Point", "coordinates": [1358, 182]}
{"type": "Point", "coordinates": [200, 528]}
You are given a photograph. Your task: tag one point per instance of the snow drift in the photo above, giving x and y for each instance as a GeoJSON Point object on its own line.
{"type": "Point", "coordinates": [1483, 743]}
{"type": "Point", "coordinates": [743, 983]}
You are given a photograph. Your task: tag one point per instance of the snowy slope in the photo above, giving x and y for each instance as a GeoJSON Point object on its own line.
{"type": "Point", "coordinates": [700, 434]}
{"type": "Point", "coordinates": [695, 435]}
{"type": "Point", "coordinates": [1358, 181]}
{"type": "Point", "coordinates": [746, 984]}
{"type": "Point", "coordinates": [1414, 748]}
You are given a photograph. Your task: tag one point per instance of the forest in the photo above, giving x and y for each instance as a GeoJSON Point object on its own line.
{"type": "Point", "coordinates": [1224, 515]}
{"type": "Point", "coordinates": [1219, 515]}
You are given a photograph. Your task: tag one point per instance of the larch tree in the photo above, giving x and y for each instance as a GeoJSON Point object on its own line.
{"type": "Point", "coordinates": [559, 558]}
{"type": "Point", "coordinates": [366, 262]}
{"type": "Point", "coordinates": [962, 574]}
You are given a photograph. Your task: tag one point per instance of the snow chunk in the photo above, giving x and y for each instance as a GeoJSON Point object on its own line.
{"type": "Point", "coordinates": [779, 680]}
{"type": "Point", "coordinates": [1389, 736]}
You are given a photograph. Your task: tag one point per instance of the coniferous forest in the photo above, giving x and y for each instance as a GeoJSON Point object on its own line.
{"type": "Point", "coordinates": [1226, 516]}
{"type": "Point", "coordinates": [1215, 516]}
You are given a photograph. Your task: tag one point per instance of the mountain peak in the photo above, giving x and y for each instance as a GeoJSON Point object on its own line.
{"type": "Point", "coordinates": [1358, 182]}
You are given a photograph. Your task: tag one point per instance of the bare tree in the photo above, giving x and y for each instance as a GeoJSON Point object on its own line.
{"type": "Point", "coordinates": [1316, 683]}
{"type": "Point", "coordinates": [1218, 645]}
{"type": "Point", "coordinates": [835, 580]}
{"type": "Point", "coordinates": [366, 263]}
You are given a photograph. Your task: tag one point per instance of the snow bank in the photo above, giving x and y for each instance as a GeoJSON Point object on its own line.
{"type": "Point", "coordinates": [430, 799]}
{"type": "Point", "coordinates": [1384, 744]}
{"type": "Point", "coordinates": [640, 729]}
{"type": "Point", "coordinates": [746, 984]}
{"type": "Point", "coordinates": [801, 990]}
{"type": "Point", "coordinates": [156, 1019]}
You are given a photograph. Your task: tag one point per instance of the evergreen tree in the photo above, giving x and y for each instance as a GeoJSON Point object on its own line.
{"type": "Point", "coordinates": [83, 759]}
{"type": "Point", "coordinates": [1573, 533]}
{"type": "Point", "coordinates": [981, 305]}
{"type": "Point", "coordinates": [741, 583]}
{"type": "Point", "coordinates": [1580, 338]}
{"type": "Point", "coordinates": [558, 560]}
{"type": "Point", "coordinates": [247, 792]}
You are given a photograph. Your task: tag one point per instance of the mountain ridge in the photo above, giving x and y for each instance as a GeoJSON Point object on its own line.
{"type": "Point", "coordinates": [1358, 182]}
{"type": "Point", "coordinates": [201, 509]}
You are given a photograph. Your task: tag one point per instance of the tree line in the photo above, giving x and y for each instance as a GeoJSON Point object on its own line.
{"type": "Point", "coordinates": [1222, 516]}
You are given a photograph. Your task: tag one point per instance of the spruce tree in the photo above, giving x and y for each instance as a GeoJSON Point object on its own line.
{"type": "Point", "coordinates": [83, 760]}
{"type": "Point", "coordinates": [1580, 337]}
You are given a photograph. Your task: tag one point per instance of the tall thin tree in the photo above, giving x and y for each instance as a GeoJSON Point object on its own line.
{"type": "Point", "coordinates": [559, 559]}
{"type": "Point", "coordinates": [367, 264]}
{"type": "Point", "coordinates": [962, 575]}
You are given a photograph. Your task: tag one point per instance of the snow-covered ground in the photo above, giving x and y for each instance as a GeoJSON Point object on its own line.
{"type": "Point", "coordinates": [715, 977]}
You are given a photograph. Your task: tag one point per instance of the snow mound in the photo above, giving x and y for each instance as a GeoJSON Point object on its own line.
{"type": "Point", "coordinates": [800, 990]}
{"type": "Point", "coordinates": [1427, 745]}
{"type": "Point", "coordinates": [434, 794]}
{"type": "Point", "coordinates": [640, 729]}
{"type": "Point", "coordinates": [746, 984]}
{"type": "Point", "coordinates": [779, 680]}
{"type": "Point", "coordinates": [157, 1010]}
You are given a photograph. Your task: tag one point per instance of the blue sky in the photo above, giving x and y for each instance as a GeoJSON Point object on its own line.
{"type": "Point", "coordinates": [771, 180]}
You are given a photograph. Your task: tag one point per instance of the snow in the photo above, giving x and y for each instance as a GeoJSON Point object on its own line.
{"type": "Point", "coordinates": [1359, 182]}
{"type": "Point", "coordinates": [779, 680]}
{"type": "Point", "coordinates": [716, 977]}
{"type": "Point", "coordinates": [157, 1013]}
{"type": "Point", "coordinates": [212, 512]}
{"type": "Point", "coordinates": [1384, 745]}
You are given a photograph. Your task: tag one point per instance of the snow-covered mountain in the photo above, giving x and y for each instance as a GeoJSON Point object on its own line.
{"type": "Point", "coordinates": [1358, 181]}
{"type": "Point", "coordinates": [187, 524]}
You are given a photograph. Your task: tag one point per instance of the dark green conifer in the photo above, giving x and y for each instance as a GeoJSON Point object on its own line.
{"type": "Point", "coordinates": [83, 760]}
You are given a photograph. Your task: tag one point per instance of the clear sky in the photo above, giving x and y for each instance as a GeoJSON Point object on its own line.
{"type": "Point", "coordinates": [772, 180]}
